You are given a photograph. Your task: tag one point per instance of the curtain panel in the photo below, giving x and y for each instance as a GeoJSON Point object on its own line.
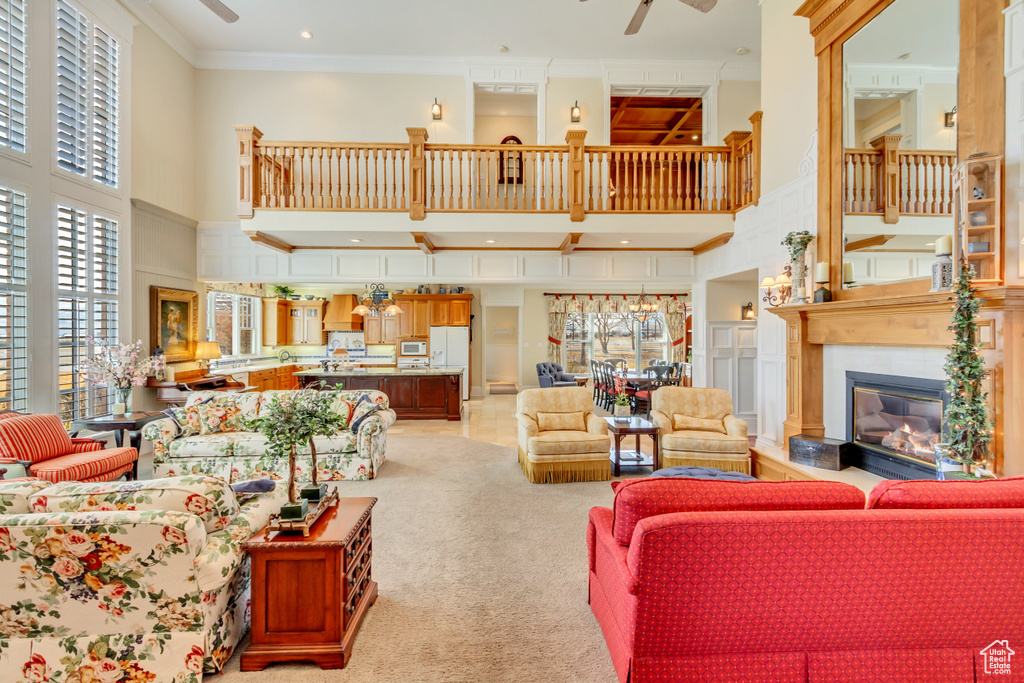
{"type": "Point", "coordinates": [672, 306]}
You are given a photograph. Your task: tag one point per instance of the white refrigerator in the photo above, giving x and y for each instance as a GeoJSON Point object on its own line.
{"type": "Point", "coordinates": [449, 348]}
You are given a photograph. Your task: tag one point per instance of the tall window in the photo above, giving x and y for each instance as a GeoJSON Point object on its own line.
{"type": "Point", "coordinates": [606, 336]}
{"type": "Point", "coordinates": [232, 320]}
{"type": "Point", "coordinates": [13, 302]}
{"type": "Point", "coordinates": [87, 305]}
{"type": "Point", "coordinates": [12, 74]}
{"type": "Point", "coordinates": [87, 97]}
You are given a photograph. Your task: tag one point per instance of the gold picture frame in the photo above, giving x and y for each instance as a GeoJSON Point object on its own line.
{"type": "Point", "coordinates": [174, 323]}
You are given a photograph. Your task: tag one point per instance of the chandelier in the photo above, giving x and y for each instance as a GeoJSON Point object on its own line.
{"type": "Point", "coordinates": [374, 302]}
{"type": "Point", "coordinates": [642, 307]}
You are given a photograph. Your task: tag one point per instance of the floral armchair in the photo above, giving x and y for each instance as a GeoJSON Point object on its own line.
{"type": "Point", "coordinates": [561, 439]}
{"type": "Point", "coordinates": [124, 581]}
{"type": "Point", "coordinates": [696, 428]}
{"type": "Point", "coordinates": [209, 437]}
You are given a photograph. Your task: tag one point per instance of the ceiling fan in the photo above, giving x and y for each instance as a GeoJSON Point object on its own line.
{"type": "Point", "coordinates": [641, 11]}
{"type": "Point", "coordinates": [216, 6]}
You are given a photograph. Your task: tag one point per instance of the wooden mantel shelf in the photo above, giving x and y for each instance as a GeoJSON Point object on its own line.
{"type": "Point", "coordinates": [914, 320]}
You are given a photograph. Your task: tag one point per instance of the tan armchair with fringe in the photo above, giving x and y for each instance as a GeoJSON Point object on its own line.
{"type": "Point", "coordinates": [696, 428]}
{"type": "Point", "coordinates": [560, 438]}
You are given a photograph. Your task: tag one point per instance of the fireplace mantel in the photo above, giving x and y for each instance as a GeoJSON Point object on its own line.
{"type": "Point", "coordinates": [908, 320]}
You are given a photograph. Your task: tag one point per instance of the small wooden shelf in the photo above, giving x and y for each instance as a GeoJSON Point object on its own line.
{"type": "Point", "coordinates": [984, 173]}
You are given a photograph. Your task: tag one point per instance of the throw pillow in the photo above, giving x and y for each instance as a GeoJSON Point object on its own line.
{"type": "Point", "coordinates": [185, 419]}
{"type": "Point", "coordinates": [362, 409]}
{"type": "Point", "coordinates": [562, 422]}
{"type": "Point", "coordinates": [696, 424]}
{"type": "Point", "coordinates": [254, 486]}
{"type": "Point", "coordinates": [221, 414]}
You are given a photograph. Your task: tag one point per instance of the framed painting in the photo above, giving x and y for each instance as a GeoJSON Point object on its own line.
{"type": "Point", "coordinates": [174, 323]}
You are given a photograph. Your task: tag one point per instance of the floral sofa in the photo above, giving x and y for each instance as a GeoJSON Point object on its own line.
{"type": "Point", "coordinates": [124, 581]}
{"type": "Point", "coordinates": [211, 439]}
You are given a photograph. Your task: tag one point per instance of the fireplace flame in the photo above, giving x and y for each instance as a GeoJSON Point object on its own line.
{"type": "Point", "coordinates": [910, 442]}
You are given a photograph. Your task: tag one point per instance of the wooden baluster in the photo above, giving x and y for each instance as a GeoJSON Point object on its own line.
{"type": "Point", "coordinates": [451, 179]}
{"type": "Point", "coordinates": [431, 181]}
{"type": "Point", "coordinates": [680, 205]}
{"type": "Point", "coordinates": [715, 201]}
{"type": "Point", "coordinates": [376, 187]}
{"type": "Point", "coordinates": [687, 206]}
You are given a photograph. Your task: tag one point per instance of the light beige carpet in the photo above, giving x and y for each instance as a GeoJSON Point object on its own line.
{"type": "Point", "coordinates": [483, 576]}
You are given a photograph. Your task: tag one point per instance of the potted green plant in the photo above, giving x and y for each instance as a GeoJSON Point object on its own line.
{"type": "Point", "coordinates": [289, 421]}
{"type": "Point", "coordinates": [622, 405]}
{"type": "Point", "coordinates": [796, 242]}
{"type": "Point", "coordinates": [968, 423]}
{"type": "Point", "coordinates": [283, 291]}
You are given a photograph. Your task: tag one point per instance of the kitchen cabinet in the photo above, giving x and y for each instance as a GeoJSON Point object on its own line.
{"type": "Point", "coordinates": [306, 323]}
{"type": "Point", "coordinates": [263, 380]}
{"type": "Point", "coordinates": [414, 320]}
{"type": "Point", "coordinates": [275, 322]}
{"type": "Point", "coordinates": [427, 396]}
{"type": "Point", "coordinates": [458, 313]}
{"type": "Point", "coordinates": [382, 329]}
{"type": "Point", "coordinates": [439, 312]}
{"type": "Point", "coordinates": [286, 378]}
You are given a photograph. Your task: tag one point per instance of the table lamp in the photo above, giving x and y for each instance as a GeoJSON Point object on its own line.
{"type": "Point", "coordinates": [207, 351]}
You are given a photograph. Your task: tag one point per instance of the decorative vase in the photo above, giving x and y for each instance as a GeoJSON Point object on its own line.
{"type": "Point", "coordinates": [621, 411]}
{"type": "Point", "coordinates": [122, 401]}
{"type": "Point", "coordinates": [799, 280]}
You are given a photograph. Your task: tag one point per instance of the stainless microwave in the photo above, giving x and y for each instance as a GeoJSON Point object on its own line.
{"type": "Point", "coordinates": [413, 348]}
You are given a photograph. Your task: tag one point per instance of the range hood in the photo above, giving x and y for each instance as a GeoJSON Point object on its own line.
{"type": "Point", "coordinates": [339, 317]}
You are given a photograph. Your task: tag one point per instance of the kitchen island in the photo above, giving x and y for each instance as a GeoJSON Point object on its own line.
{"type": "Point", "coordinates": [413, 393]}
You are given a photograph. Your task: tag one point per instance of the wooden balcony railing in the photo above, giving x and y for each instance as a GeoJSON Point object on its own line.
{"type": "Point", "coordinates": [887, 181]}
{"type": "Point", "coordinates": [418, 177]}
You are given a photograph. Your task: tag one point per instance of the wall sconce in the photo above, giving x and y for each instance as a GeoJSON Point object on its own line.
{"type": "Point", "coordinates": [574, 112]}
{"type": "Point", "coordinates": [951, 118]}
{"type": "Point", "coordinates": [435, 110]}
{"type": "Point", "coordinates": [782, 283]}
{"type": "Point", "coordinates": [747, 311]}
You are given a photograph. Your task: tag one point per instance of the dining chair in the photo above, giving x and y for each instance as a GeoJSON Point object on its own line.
{"type": "Point", "coordinates": [618, 362]}
{"type": "Point", "coordinates": [655, 376]}
{"type": "Point", "coordinates": [597, 381]}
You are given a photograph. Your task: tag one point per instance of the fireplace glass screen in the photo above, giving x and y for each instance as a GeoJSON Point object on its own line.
{"type": "Point", "coordinates": [906, 426]}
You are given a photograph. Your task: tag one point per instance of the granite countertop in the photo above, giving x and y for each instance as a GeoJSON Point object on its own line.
{"type": "Point", "coordinates": [256, 367]}
{"type": "Point", "coordinates": [358, 372]}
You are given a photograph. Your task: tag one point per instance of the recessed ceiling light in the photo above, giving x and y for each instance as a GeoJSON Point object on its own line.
{"type": "Point", "coordinates": [905, 56]}
{"type": "Point", "coordinates": [696, 137]}
{"type": "Point", "coordinates": [490, 241]}
{"type": "Point", "coordinates": [306, 34]}
{"type": "Point", "coordinates": [356, 240]}
{"type": "Point", "coordinates": [624, 242]}
{"type": "Point", "coordinates": [503, 48]}
{"type": "Point", "coordinates": [929, 244]}
{"type": "Point", "coordinates": [742, 51]}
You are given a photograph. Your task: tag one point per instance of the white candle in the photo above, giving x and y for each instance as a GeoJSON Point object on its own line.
{"type": "Point", "coordinates": [821, 272]}
{"type": "Point", "coordinates": [801, 292]}
{"type": "Point", "coordinates": [944, 245]}
{"type": "Point", "coordinates": [847, 272]}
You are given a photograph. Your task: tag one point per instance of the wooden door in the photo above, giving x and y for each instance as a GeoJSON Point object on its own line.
{"type": "Point", "coordinates": [390, 328]}
{"type": "Point", "coordinates": [458, 313]}
{"type": "Point", "coordinates": [405, 318]}
{"type": "Point", "coordinates": [296, 325]}
{"type": "Point", "coordinates": [421, 318]}
{"type": "Point", "coordinates": [439, 313]}
{"type": "Point", "coordinates": [371, 329]}
{"type": "Point", "coordinates": [732, 365]}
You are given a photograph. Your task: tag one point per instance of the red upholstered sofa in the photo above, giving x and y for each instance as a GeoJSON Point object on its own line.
{"type": "Point", "coordinates": [41, 443]}
{"type": "Point", "coordinates": [778, 582]}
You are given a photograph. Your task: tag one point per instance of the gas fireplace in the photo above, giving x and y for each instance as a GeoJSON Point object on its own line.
{"type": "Point", "coordinates": [894, 423]}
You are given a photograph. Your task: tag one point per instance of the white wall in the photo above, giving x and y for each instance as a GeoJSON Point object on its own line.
{"type": "Point", "coordinates": [725, 299]}
{"type": "Point", "coordinates": [737, 101]}
{"type": "Point", "coordinates": [163, 125]}
{"type": "Point", "coordinates": [311, 106]}
{"type": "Point", "coordinates": [491, 130]}
{"type": "Point", "coordinates": [502, 344]}
{"type": "Point", "coordinates": [559, 97]}
{"type": "Point", "coordinates": [789, 92]}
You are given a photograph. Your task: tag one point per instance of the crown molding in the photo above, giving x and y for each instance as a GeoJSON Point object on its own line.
{"type": "Point", "coordinates": [157, 24]}
{"type": "Point", "coordinates": [365, 64]}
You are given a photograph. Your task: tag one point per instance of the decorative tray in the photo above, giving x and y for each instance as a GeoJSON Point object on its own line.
{"type": "Point", "coordinates": [303, 525]}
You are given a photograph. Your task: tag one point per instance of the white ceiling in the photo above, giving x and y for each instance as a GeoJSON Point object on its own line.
{"type": "Point", "coordinates": [557, 29]}
{"type": "Point", "coordinates": [926, 29]}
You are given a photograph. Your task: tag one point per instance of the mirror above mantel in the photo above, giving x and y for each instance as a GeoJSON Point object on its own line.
{"type": "Point", "coordinates": [885, 157]}
{"type": "Point", "coordinates": [899, 76]}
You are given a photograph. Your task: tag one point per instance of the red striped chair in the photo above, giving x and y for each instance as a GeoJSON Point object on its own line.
{"type": "Point", "coordinates": [43, 446]}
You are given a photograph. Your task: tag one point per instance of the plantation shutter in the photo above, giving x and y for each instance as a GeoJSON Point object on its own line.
{"type": "Point", "coordinates": [13, 301]}
{"type": "Point", "coordinates": [87, 305]}
{"type": "Point", "coordinates": [12, 74]}
{"type": "Point", "coordinates": [72, 88]}
{"type": "Point", "coordinates": [104, 108]}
